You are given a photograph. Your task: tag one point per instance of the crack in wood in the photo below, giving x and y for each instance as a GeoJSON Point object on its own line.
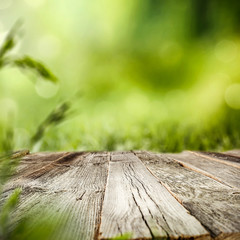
{"type": "Point", "coordinates": [97, 232]}
{"type": "Point", "coordinates": [80, 198]}
{"type": "Point", "coordinates": [68, 157]}
{"type": "Point", "coordinates": [213, 215]}
{"type": "Point", "coordinates": [143, 218]}
{"type": "Point", "coordinates": [153, 196]}
{"type": "Point", "coordinates": [160, 210]}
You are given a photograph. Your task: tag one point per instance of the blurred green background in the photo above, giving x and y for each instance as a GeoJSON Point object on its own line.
{"type": "Point", "coordinates": [140, 74]}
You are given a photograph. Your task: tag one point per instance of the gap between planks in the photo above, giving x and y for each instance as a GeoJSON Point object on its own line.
{"type": "Point", "coordinates": [232, 161]}
{"type": "Point", "coordinates": [214, 204]}
{"type": "Point", "coordinates": [74, 193]}
{"type": "Point", "coordinates": [143, 198]}
{"type": "Point", "coordinates": [136, 202]}
{"type": "Point", "coordinates": [220, 172]}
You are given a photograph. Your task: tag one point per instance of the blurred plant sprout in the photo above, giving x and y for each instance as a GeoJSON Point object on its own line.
{"type": "Point", "coordinates": [5, 215]}
{"type": "Point", "coordinates": [56, 116]}
{"type": "Point", "coordinates": [28, 63]}
{"type": "Point", "coordinates": [9, 161]}
{"type": "Point", "coordinates": [125, 236]}
{"type": "Point", "coordinates": [25, 62]}
{"type": "Point", "coordinates": [7, 168]}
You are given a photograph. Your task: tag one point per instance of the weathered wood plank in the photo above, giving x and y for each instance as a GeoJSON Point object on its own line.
{"type": "Point", "coordinates": [221, 172]}
{"type": "Point", "coordinates": [215, 205]}
{"type": "Point", "coordinates": [234, 153]}
{"type": "Point", "coordinates": [220, 157]}
{"type": "Point", "coordinates": [135, 202]}
{"type": "Point", "coordinates": [72, 187]}
{"type": "Point", "coordinates": [36, 161]}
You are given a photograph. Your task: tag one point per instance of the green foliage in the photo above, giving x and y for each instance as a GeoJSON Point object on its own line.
{"type": "Point", "coordinates": [125, 236]}
{"type": "Point", "coordinates": [8, 165]}
{"type": "Point", "coordinates": [41, 70]}
{"type": "Point", "coordinates": [6, 142]}
{"type": "Point", "coordinates": [25, 62]}
{"type": "Point", "coordinates": [9, 43]}
{"type": "Point", "coordinates": [7, 168]}
{"type": "Point", "coordinates": [55, 117]}
{"type": "Point", "coordinates": [6, 211]}
{"type": "Point", "coordinates": [8, 161]}
{"type": "Point", "coordinates": [158, 84]}
{"type": "Point", "coordinates": [40, 230]}
{"type": "Point", "coordinates": [29, 63]}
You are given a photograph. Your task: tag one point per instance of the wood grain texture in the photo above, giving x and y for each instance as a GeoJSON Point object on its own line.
{"type": "Point", "coordinates": [135, 202]}
{"type": "Point", "coordinates": [234, 153]}
{"type": "Point", "coordinates": [220, 157]}
{"type": "Point", "coordinates": [215, 205]}
{"type": "Point", "coordinates": [178, 196]}
{"type": "Point", "coordinates": [71, 187]}
{"type": "Point", "coordinates": [35, 161]}
{"type": "Point", "coordinates": [226, 174]}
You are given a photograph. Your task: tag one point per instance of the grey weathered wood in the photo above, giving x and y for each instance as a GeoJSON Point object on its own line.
{"type": "Point", "coordinates": [234, 153]}
{"type": "Point", "coordinates": [221, 172]}
{"type": "Point", "coordinates": [29, 164]}
{"type": "Point", "coordinates": [136, 202]}
{"type": "Point", "coordinates": [215, 205]}
{"type": "Point", "coordinates": [220, 157]}
{"type": "Point", "coordinates": [71, 187]}
{"type": "Point", "coordinates": [36, 161]}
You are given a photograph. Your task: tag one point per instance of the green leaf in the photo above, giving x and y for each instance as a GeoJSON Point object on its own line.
{"type": "Point", "coordinates": [123, 237]}
{"type": "Point", "coordinates": [6, 210]}
{"type": "Point", "coordinates": [7, 168]}
{"type": "Point", "coordinates": [32, 64]}
{"type": "Point", "coordinates": [9, 42]}
{"type": "Point", "coordinates": [56, 116]}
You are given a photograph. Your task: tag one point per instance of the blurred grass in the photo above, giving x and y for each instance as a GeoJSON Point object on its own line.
{"type": "Point", "coordinates": [155, 75]}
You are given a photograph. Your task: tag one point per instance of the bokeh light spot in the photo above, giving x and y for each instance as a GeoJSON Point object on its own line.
{"type": "Point", "coordinates": [46, 89]}
{"type": "Point", "coordinates": [232, 96]}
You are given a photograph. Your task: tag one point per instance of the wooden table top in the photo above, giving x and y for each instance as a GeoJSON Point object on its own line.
{"type": "Point", "coordinates": [139, 194]}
